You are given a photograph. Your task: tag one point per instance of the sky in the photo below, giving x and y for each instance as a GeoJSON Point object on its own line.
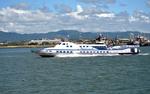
{"type": "Point", "coordinates": [41, 16]}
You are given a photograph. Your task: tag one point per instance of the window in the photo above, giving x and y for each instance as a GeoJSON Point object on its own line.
{"type": "Point", "coordinates": [63, 44]}
{"type": "Point", "coordinates": [49, 50]}
{"type": "Point", "coordinates": [71, 46]}
{"type": "Point", "coordinates": [67, 46]}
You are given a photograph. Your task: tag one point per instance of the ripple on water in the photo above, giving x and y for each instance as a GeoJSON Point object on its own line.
{"type": "Point", "coordinates": [22, 72]}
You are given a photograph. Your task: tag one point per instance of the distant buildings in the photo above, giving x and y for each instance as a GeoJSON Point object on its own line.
{"type": "Point", "coordinates": [132, 40]}
{"type": "Point", "coordinates": [44, 41]}
{"type": "Point", "coordinates": [141, 40]}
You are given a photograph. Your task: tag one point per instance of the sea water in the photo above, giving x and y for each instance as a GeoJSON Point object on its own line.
{"type": "Point", "coordinates": [22, 72]}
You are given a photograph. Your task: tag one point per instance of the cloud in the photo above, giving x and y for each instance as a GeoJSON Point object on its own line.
{"type": "Point", "coordinates": [89, 19]}
{"type": "Point", "coordinates": [62, 8]}
{"type": "Point", "coordinates": [139, 16]}
{"type": "Point", "coordinates": [21, 5]}
{"type": "Point", "coordinates": [45, 9]}
{"type": "Point", "coordinates": [148, 3]}
{"type": "Point", "coordinates": [98, 1]}
{"type": "Point", "coordinates": [76, 14]}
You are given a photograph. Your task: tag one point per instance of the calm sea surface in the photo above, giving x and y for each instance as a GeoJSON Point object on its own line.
{"type": "Point", "coordinates": [22, 72]}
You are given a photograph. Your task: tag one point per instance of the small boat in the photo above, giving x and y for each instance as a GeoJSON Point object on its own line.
{"type": "Point", "coordinates": [69, 49]}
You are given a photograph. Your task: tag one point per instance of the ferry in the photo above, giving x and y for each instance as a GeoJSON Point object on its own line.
{"type": "Point", "coordinates": [70, 49]}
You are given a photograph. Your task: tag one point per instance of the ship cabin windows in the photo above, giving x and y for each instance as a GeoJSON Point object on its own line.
{"type": "Point", "coordinates": [69, 46]}
{"type": "Point", "coordinates": [49, 51]}
{"type": "Point", "coordinates": [84, 46]}
{"type": "Point", "coordinates": [100, 47]}
{"type": "Point", "coordinates": [64, 52]}
{"type": "Point", "coordinates": [94, 52]}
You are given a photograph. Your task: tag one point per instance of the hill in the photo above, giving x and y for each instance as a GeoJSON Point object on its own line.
{"type": "Point", "coordinates": [69, 34]}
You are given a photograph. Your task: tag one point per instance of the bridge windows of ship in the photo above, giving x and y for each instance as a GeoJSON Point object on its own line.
{"type": "Point", "coordinates": [100, 47]}
{"type": "Point", "coordinates": [49, 51]}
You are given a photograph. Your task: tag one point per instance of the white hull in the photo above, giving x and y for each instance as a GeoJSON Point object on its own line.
{"type": "Point", "coordinates": [67, 49]}
{"type": "Point", "coordinates": [79, 55]}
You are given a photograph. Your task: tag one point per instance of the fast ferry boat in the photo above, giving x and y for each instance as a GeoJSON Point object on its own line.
{"type": "Point", "coordinates": [69, 49]}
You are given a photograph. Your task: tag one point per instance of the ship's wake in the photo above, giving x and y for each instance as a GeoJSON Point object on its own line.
{"type": "Point", "coordinates": [144, 54]}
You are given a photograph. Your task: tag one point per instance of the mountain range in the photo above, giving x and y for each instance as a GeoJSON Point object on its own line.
{"type": "Point", "coordinates": [69, 34]}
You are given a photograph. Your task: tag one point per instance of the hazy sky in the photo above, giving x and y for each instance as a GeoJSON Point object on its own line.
{"type": "Point", "coordinates": [32, 16]}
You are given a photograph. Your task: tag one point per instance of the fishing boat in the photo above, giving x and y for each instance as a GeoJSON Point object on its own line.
{"type": "Point", "coordinates": [70, 49]}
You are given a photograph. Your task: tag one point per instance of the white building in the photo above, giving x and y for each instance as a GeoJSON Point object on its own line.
{"type": "Point", "coordinates": [44, 41]}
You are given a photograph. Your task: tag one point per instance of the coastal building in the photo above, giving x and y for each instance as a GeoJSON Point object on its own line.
{"type": "Point", "coordinates": [143, 41]}
{"type": "Point", "coordinates": [44, 41]}
{"type": "Point", "coordinates": [124, 40]}
{"type": "Point", "coordinates": [3, 43]}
